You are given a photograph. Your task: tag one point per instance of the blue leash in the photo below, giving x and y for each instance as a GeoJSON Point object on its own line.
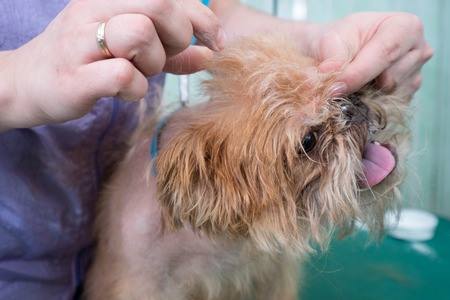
{"type": "Point", "coordinates": [154, 144]}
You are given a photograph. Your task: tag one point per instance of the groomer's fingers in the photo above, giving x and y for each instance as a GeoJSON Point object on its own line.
{"type": "Point", "coordinates": [170, 18]}
{"type": "Point", "coordinates": [336, 48]}
{"type": "Point", "coordinates": [143, 48]}
{"type": "Point", "coordinates": [111, 77]}
{"type": "Point", "coordinates": [171, 22]}
{"type": "Point", "coordinates": [409, 64]}
{"type": "Point", "coordinates": [381, 51]}
{"type": "Point", "coordinates": [206, 25]}
{"type": "Point", "coordinates": [409, 85]}
{"type": "Point", "coordinates": [189, 61]}
{"type": "Point", "coordinates": [134, 37]}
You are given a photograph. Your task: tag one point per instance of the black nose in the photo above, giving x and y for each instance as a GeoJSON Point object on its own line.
{"type": "Point", "coordinates": [354, 110]}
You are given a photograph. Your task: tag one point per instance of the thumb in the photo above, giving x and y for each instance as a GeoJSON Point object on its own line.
{"type": "Point", "coordinates": [189, 61]}
{"type": "Point", "coordinates": [334, 53]}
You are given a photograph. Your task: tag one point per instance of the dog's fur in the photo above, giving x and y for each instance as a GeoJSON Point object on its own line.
{"type": "Point", "coordinates": [237, 200]}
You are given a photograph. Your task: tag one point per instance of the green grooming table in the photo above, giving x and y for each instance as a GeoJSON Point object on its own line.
{"type": "Point", "coordinates": [392, 269]}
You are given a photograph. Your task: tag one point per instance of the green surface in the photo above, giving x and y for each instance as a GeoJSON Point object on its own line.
{"type": "Point", "coordinates": [393, 269]}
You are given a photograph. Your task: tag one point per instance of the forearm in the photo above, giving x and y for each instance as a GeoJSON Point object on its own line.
{"type": "Point", "coordinates": [238, 20]}
{"type": "Point", "coordinates": [6, 90]}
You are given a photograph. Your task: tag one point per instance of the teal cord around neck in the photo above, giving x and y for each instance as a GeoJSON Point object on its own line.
{"type": "Point", "coordinates": [154, 144]}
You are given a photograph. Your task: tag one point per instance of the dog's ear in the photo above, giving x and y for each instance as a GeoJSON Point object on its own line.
{"type": "Point", "coordinates": [225, 182]}
{"type": "Point", "coordinates": [184, 185]}
{"type": "Point", "coordinates": [231, 170]}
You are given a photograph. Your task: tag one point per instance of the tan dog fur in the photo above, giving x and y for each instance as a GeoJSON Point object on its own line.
{"type": "Point", "coordinates": [237, 201]}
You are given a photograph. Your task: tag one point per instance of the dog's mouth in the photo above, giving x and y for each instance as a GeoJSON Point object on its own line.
{"type": "Point", "coordinates": [378, 162]}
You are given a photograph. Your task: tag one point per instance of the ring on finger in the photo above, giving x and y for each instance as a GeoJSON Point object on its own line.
{"type": "Point", "coordinates": [101, 42]}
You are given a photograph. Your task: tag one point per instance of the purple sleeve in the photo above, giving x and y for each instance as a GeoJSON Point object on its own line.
{"type": "Point", "coordinates": [50, 178]}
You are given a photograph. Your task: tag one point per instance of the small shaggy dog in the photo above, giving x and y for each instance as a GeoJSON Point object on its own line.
{"type": "Point", "coordinates": [246, 184]}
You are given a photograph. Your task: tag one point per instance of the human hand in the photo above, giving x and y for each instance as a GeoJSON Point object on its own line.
{"type": "Point", "coordinates": [60, 74]}
{"type": "Point", "coordinates": [389, 48]}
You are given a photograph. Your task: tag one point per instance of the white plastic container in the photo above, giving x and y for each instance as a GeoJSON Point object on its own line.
{"type": "Point", "coordinates": [413, 225]}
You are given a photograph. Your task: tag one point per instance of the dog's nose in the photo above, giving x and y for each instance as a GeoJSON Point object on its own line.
{"type": "Point", "coordinates": [354, 110]}
{"type": "Point", "coordinates": [348, 110]}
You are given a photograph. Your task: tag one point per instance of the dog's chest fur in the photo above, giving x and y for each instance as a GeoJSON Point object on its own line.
{"type": "Point", "coordinates": [136, 260]}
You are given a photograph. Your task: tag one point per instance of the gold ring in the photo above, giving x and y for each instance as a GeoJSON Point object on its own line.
{"type": "Point", "coordinates": [101, 42]}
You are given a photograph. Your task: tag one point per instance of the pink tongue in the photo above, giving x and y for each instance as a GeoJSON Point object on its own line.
{"type": "Point", "coordinates": [378, 163]}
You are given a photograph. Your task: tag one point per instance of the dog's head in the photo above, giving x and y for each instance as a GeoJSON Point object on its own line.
{"type": "Point", "coordinates": [275, 157]}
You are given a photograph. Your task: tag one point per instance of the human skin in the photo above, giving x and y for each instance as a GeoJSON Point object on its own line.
{"type": "Point", "coordinates": [73, 73]}
{"type": "Point", "coordinates": [60, 74]}
{"type": "Point", "coordinates": [387, 47]}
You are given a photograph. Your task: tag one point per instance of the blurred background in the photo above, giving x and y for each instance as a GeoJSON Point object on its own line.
{"type": "Point", "coordinates": [428, 182]}
{"type": "Point", "coordinates": [353, 269]}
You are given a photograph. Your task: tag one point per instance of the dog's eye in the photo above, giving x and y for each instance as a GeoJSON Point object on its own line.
{"type": "Point", "coordinates": [309, 141]}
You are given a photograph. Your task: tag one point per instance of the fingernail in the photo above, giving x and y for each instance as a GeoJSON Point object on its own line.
{"type": "Point", "coordinates": [338, 89]}
{"type": "Point", "coordinates": [221, 39]}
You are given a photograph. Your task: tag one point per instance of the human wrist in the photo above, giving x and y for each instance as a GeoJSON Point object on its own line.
{"type": "Point", "coordinates": [15, 109]}
{"type": "Point", "coordinates": [240, 20]}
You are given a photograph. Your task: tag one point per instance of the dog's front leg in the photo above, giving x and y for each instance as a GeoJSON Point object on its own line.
{"type": "Point", "coordinates": [128, 227]}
